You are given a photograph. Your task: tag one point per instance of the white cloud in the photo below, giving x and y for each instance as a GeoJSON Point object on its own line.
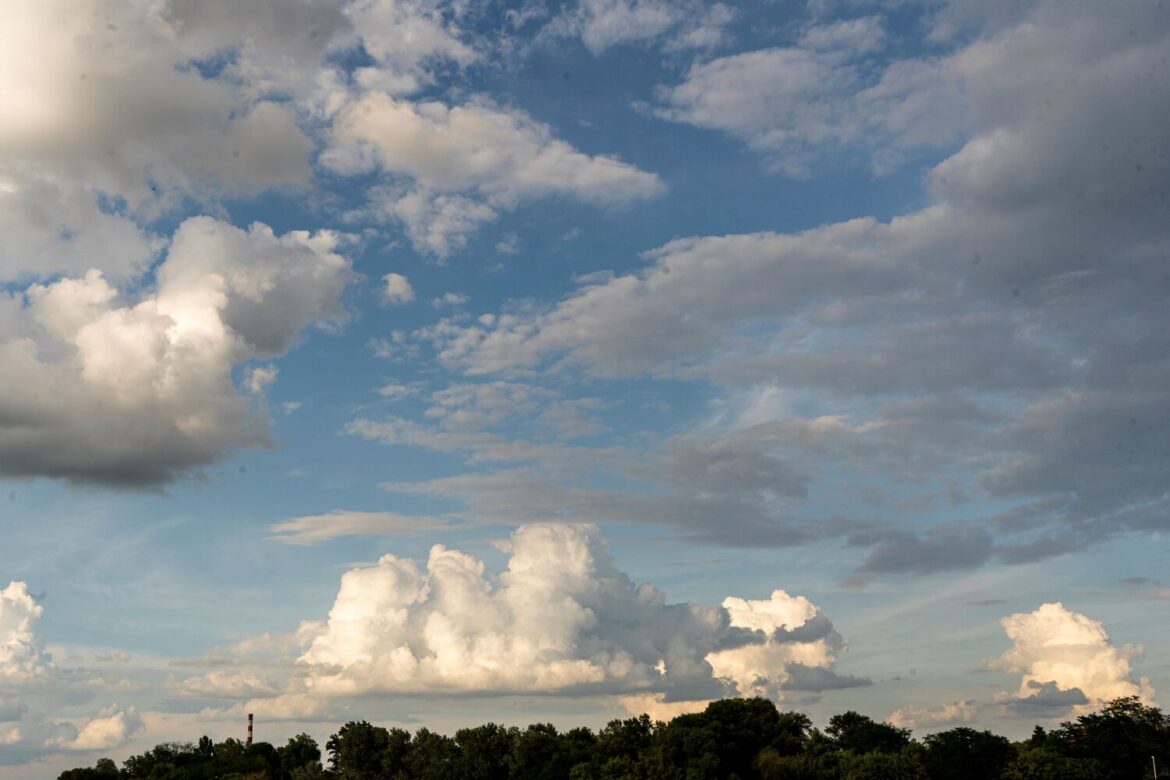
{"type": "Point", "coordinates": [111, 729]}
{"type": "Point", "coordinates": [23, 659]}
{"type": "Point", "coordinates": [260, 378]}
{"type": "Point", "coordinates": [799, 653]}
{"type": "Point", "coordinates": [1061, 654]}
{"type": "Point", "coordinates": [603, 24]}
{"type": "Point", "coordinates": [561, 618]}
{"type": "Point", "coordinates": [99, 387]}
{"type": "Point", "coordinates": [450, 299]}
{"type": "Point", "coordinates": [403, 36]}
{"type": "Point", "coordinates": [314, 529]}
{"type": "Point", "coordinates": [396, 289]}
{"type": "Point", "coordinates": [795, 103]}
{"type": "Point", "coordinates": [225, 684]}
{"type": "Point", "coordinates": [931, 717]}
{"type": "Point", "coordinates": [465, 163]}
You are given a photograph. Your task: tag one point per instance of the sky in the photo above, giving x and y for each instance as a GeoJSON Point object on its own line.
{"type": "Point", "coordinates": [435, 362]}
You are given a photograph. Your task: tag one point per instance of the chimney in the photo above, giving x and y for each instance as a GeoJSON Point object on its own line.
{"type": "Point", "coordinates": [249, 729]}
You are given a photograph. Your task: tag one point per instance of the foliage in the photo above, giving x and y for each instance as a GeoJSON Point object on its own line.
{"type": "Point", "coordinates": [733, 739]}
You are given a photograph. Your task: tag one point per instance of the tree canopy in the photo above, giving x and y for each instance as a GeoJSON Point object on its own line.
{"type": "Point", "coordinates": [732, 739]}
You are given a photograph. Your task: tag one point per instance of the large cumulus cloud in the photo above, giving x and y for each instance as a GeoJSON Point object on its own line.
{"type": "Point", "coordinates": [561, 619]}
{"type": "Point", "coordinates": [1067, 662]}
{"type": "Point", "coordinates": [108, 385]}
{"type": "Point", "coordinates": [23, 659]}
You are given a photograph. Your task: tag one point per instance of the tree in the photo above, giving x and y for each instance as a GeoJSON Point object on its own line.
{"type": "Point", "coordinates": [432, 757]}
{"type": "Point", "coordinates": [903, 765]}
{"type": "Point", "coordinates": [355, 751]}
{"type": "Point", "coordinates": [793, 730]}
{"type": "Point", "coordinates": [1044, 764]}
{"type": "Point", "coordinates": [300, 751]}
{"type": "Point", "coordinates": [485, 752]}
{"type": "Point", "coordinates": [105, 769]}
{"type": "Point", "coordinates": [394, 757]}
{"type": "Point", "coordinates": [1122, 736]}
{"type": "Point", "coordinates": [862, 734]}
{"type": "Point", "coordinates": [966, 754]}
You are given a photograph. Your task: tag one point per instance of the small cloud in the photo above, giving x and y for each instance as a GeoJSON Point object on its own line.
{"type": "Point", "coordinates": [396, 289]}
{"type": "Point", "coordinates": [260, 378]}
{"type": "Point", "coordinates": [508, 245]}
{"type": "Point", "coordinates": [928, 717]}
{"type": "Point", "coordinates": [396, 392]}
{"type": "Point", "coordinates": [314, 529]}
{"type": "Point", "coordinates": [288, 407]}
{"type": "Point", "coordinates": [450, 299]}
{"type": "Point", "coordinates": [111, 729]}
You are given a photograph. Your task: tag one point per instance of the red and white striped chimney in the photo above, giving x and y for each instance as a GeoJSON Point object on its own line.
{"type": "Point", "coordinates": [249, 729]}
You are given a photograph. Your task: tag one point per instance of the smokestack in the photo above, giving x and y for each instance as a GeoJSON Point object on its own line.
{"type": "Point", "coordinates": [249, 729]}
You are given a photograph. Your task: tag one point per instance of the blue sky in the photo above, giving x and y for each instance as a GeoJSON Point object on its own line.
{"type": "Point", "coordinates": [339, 339]}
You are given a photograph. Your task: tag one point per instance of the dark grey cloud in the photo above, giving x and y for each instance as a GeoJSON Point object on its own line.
{"type": "Point", "coordinates": [814, 679]}
{"type": "Point", "coordinates": [1048, 701]}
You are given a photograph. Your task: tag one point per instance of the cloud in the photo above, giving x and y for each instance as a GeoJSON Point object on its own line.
{"type": "Point", "coordinates": [102, 98]}
{"type": "Point", "coordinates": [603, 24]}
{"type": "Point", "coordinates": [225, 684]}
{"type": "Point", "coordinates": [835, 88]}
{"type": "Point", "coordinates": [799, 653]}
{"type": "Point", "coordinates": [561, 619]}
{"type": "Point", "coordinates": [404, 37]}
{"type": "Point", "coordinates": [111, 729]}
{"type": "Point", "coordinates": [932, 717]}
{"type": "Point", "coordinates": [992, 338]}
{"type": "Point", "coordinates": [135, 390]}
{"type": "Point", "coordinates": [396, 289]}
{"type": "Point", "coordinates": [23, 660]}
{"type": "Point", "coordinates": [464, 163]}
{"type": "Point", "coordinates": [450, 299]}
{"type": "Point", "coordinates": [28, 670]}
{"type": "Point", "coordinates": [1068, 663]}
{"type": "Point", "coordinates": [314, 529]}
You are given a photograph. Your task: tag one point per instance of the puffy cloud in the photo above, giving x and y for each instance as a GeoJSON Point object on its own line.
{"type": "Point", "coordinates": [314, 529]}
{"type": "Point", "coordinates": [798, 654]}
{"type": "Point", "coordinates": [104, 92]}
{"type": "Point", "coordinates": [931, 717]}
{"type": "Point", "coordinates": [396, 289]}
{"type": "Point", "coordinates": [403, 36]}
{"type": "Point", "coordinates": [793, 103]}
{"type": "Point", "coordinates": [96, 387]}
{"type": "Point", "coordinates": [110, 729]}
{"type": "Point", "coordinates": [562, 618]}
{"type": "Point", "coordinates": [23, 660]}
{"type": "Point", "coordinates": [465, 162]}
{"type": "Point", "coordinates": [1068, 662]}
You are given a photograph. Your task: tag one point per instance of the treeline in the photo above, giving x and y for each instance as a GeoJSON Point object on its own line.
{"type": "Point", "coordinates": [733, 739]}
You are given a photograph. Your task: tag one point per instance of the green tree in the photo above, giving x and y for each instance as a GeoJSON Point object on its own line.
{"type": "Point", "coordinates": [903, 765]}
{"type": "Point", "coordinates": [966, 754]}
{"type": "Point", "coordinates": [355, 751]}
{"type": "Point", "coordinates": [862, 734]}
{"type": "Point", "coordinates": [485, 752]}
{"type": "Point", "coordinates": [432, 757]}
{"type": "Point", "coordinates": [105, 769]}
{"type": "Point", "coordinates": [1123, 736]}
{"type": "Point", "coordinates": [1044, 764]}
{"type": "Point", "coordinates": [300, 751]}
{"type": "Point", "coordinates": [793, 730]}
